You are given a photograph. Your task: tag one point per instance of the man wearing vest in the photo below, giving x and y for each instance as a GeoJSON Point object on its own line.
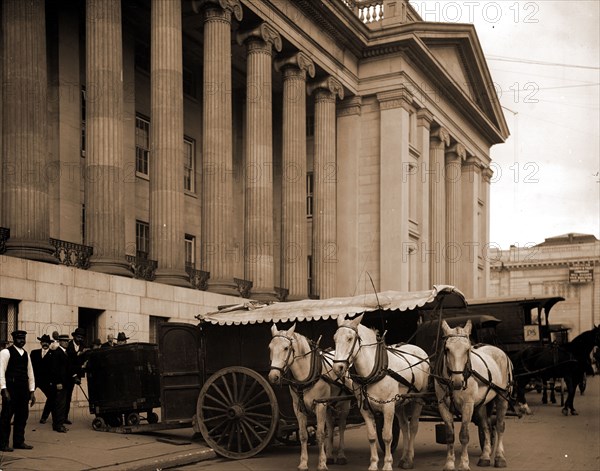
{"type": "Point", "coordinates": [17, 385]}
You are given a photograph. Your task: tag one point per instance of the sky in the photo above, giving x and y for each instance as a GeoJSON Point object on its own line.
{"type": "Point", "coordinates": [544, 59]}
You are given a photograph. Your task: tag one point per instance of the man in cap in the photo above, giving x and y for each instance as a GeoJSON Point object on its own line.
{"type": "Point", "coordinates": [60, 378]}
{"type": "Point", "coordinates": [17, 385]}
{"type": "Point", "coordinates": [76, 353]}
{"type": "Point", "coordinates": [42, 365]}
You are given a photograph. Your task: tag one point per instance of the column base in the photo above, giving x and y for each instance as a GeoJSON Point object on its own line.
{"type": "Point", "coordinates": [264, 295]}
{"type": "Point", "coordinates": [172, 277]}
{"type": "Point", "coordinates": [296, 297]}
{"type": "Point", "coordinates": [111, 266]}
{"type": "Point", "coordinates": [37, 250]}
{"type": "Point", "coordinates": [226, 287]}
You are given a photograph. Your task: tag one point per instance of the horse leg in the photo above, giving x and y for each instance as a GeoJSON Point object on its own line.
{"type": "Point", "coordinates": [571, 387]}
{"type": "Point", "coordinates": [545, 392]}
{"type": "Point", "coordinates": [552, 386]}
{"type": "Point", "coordinates": [386, 435]}
{"type": "Point", "coordinates": [448, 419]}
{"type": "Point", "coordinates": [409, 455]}
{"type": "Point", "coordinates": [521, 400]}
{"type": "Point", "coordinates": [303, 435]}
{"type": "Point", "coordinates": [501, 408]}
{"type": "Point", "coordinates": [329, 431]}
{"type": "Point", "coordinates": [467, 414]}
{"type": "Point", "coordinates": [402, 414]}
{"type": "Point", "coordinates": [344, 410]}
{"type": "Point", "coordinates": [371, 435]}
{"type": "Point", "coordinates": [484, 425]}
{"type": "Point", "coordinates": [321, 413]}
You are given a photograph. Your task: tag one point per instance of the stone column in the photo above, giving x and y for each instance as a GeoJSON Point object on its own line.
{"type": "Point", "coordinates": [25, 153]}
{"type": "Point", "coordinates": [486, 176]}
{"type": "Point", "coordinates": [469, 227]}
{"type": "Point", "coordinates": [105, 214]}
{"type": "Point", "coordinates": [455, 154]}
{"type": "Point", "coordinates": [293, 195]}
{"type": "Point", "coordinates": [259, 242]}
{"type": "Point", "coordinates": [394, 173]}
{"type": "Point", "coordinates": [217, 245]}
{"type": "Point", "coordinates": [424, 120]}
{"type": "Point", "coordinates": [167, 239]}
{"type": "Point", "coordinates": [349, 137]}
{"type": "Point", "coordinates": [435, 251]}
{"type": "Point", "coordinates": [324, 251]}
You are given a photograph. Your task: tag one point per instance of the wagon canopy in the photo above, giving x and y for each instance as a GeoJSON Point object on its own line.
{"type": "Point", "coordinates": [315, 309]}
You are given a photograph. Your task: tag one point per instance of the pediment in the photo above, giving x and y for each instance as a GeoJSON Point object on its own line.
{"type": "Point", "coordinates": [449, 56]}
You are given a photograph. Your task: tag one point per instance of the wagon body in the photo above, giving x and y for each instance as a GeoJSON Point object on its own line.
{"type": "Point", "coordinates": [216, 372]}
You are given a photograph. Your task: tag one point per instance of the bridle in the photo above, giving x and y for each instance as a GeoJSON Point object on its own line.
{"type": "Point", "coordinates": [467, 371]}
{"type": "Point", "coordinates": [291, 354]}
{"type": "Point", "coordinates": [350, 360]}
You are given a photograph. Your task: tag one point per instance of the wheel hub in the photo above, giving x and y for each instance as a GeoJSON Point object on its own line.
{"type": "Point", "coordinates": [235, 411]}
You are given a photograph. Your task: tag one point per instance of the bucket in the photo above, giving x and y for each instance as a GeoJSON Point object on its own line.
{"type": "Point", "coordinates": [440, 434]}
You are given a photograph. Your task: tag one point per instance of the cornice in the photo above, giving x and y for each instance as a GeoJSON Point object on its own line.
{"type": "Point", "coordinates": [500, 266]}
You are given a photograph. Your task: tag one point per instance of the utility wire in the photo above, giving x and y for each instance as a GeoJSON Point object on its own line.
{"type": "Point", "coordinates": [529, 61]}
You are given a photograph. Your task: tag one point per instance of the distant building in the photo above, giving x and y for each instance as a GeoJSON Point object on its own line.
{"type": "Point", "coordinates": [566, 265]}
{"type": "Point", "coordinates": [217, 149]}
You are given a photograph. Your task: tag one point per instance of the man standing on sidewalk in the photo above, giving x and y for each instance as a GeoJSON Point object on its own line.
{"type": "Point", "coordinates": [59, 379]}
{"type": "Point", "coordinates": [76, 352]}
{"type": "Point", "coordinates": [17, 385]}
{"type": "Point", "coordinates": [42, 365]}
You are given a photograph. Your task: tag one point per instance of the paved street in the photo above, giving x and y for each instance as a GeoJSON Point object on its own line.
{"type": "Point", "coordinates": [545, 441]}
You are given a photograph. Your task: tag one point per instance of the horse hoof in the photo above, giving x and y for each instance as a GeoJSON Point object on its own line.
{"type": "Point", "coordinates": [484, 463]}
{"type": "Point", "coordinates": [343, 460]}
{"type": "Point", "coordinates": [407, 465]}
{"type": "Point", "coordinates": [574, 412]}
{"type": "Point", "coordinates": [565, 412]}
{"type": "Point", "coordinates": [330, 461]}
{"type": "Point", "coordinates": [500, 463]}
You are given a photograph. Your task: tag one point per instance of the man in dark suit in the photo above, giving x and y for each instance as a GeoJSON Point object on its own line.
{"type": "Point", "coordinates": [17, 386]}
{"type": "Point", "coordinates": [42, 365]}
{"type": "Point", "coordinates": [76, 353]}
{"type": "Point", "coordinates": [60, 378]}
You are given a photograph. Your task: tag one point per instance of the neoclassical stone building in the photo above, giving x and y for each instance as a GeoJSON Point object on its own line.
{"type": "Point", "coordinates": [163, 157]}
{"type": "Point", "coordinates": [566, 265]}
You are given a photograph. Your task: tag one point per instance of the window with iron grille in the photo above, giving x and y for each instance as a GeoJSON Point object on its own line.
{"type": "Point", "coordinates": [82, 143]}
{"type": "Point", "coordinates": [188, 164]}
{"type": "Point", "coordinates": [309, 194]}
{"type": "Point", "coordinates": [9, 316]}
{"type": "Point", "coordinates": [142, 238]}
{"type": "Point", "coordinates": [190, 251]}
{"type": "Point", "coordinates": [142, 145]}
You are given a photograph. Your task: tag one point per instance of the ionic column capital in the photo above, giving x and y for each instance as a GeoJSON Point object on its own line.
{"type": "Point", "coordinates": [487, 173]}
{"type": "Point", "coordinates": [400, 98]}
{"type": "Point", "coordinates": [350, 106]}
{"type": "Point", "coordinates": [298, 60]}
{"type": "Point", "coordinates": [474, 162]}
{"type": "Point", "coordinates": [233, 6]}
{"type": "Point", "coordinates": [265, 32]}
{"type": "Point", "coordinates": [328, 84]}
{"type": "Point", "coordinates": [441, 135]}
{"type": "Point", "coordinates": [456, 152]}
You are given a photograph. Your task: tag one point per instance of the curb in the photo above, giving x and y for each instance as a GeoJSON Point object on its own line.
{"type": "Point", "coordinates": [169, 461]}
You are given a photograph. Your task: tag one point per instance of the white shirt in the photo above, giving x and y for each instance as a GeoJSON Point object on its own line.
{"type": "Point", "coordinates": [4, 358]}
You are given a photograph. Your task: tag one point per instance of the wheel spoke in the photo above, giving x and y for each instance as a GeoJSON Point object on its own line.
{"type": "Point", "coordinates": [225, 432]}
{"type": "Point", "coordinates": [252, 429]}
{"type": "Point", "coordinates": [256, 406]}
{"type": "Point", "coordinates": [211, 431]}
{"type": "Point", "coordinates": [214, 417]}
{"type": "Point", "coordinates": [255, 397]}
{"type": "Point", "coordinates": [218, 401]}
{"type": "Point", "coordinates": [235, 386]}
{"type": "Point", "coordinates": [256, 414]}
{"type": "Point", "coordinates": [250, 391]}
{"type": "Point", "coordinates": [227, 388]}
{"type": "Point", "coordinates": [257, 423]}
{"type": "Point", "coordinates": [244, 428]}
{"type": "Point", "coordinates": [221, 393]}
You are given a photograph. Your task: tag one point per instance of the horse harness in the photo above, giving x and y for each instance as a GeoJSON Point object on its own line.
{"type": "Point", "coordinates": [315, 374]}
{"type": "Point", "coordinates": [380, 370]}
{"type": "Point", "coordinates": [467, 372]}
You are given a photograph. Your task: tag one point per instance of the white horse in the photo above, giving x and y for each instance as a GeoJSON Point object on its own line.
{"type": "Point", "coordinates": [386, 376]}
{"type": "Point", "coordinates": [313, 380]}
{"type": "Point", "coordinates": [471, 380]}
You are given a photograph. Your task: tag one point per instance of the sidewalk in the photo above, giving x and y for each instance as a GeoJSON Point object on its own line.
{"type": "Point", "coordinates": [82, 448]}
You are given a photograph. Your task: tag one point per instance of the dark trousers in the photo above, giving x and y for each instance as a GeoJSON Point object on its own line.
{"type": "Point", "coordinates": [50, 393]}
{"type": "Point", "coordinates": [17, 407]}
{"type": "Point", "coordinates": [69, 393]}
{"type": "Point", "coordinates": [59, 412]}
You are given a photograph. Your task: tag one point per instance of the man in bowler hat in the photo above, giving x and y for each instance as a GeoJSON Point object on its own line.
{"type": "Point", "coordinates": [17, 386]}
{"type": "Point", "coordinates": [42, 365]}
{"type": "Point", "coordinates": [76, 352]}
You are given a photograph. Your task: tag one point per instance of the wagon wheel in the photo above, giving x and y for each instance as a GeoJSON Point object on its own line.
{"type": "Point", "coordinates": [133, 418]}
{"type": "Point", "coordinates": [237, 412]}
{"type": "Point", "coordinates": [395, 432]}
{"type": "Point", "coordinates": [98, 424]}
{"type": "Point", "coordinates": [152, 417]}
